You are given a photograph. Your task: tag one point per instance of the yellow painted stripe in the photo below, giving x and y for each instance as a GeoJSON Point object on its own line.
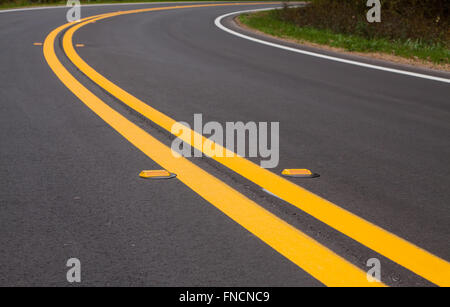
{"type": "Point", "coordinates": [391, 246]}
{"type": "Point", "coordinates": [315, 259]}
{"type": "Point", "coordinates": [406, 254]}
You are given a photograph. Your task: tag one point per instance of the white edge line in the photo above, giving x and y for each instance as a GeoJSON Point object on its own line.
{"type": "Point", "coordinates": [218, 23]}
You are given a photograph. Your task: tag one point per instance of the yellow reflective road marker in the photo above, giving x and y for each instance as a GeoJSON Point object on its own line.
{"type": "Point", "coordinates": [79, 45]}
{"type": "Point", "coordinates": [296, 171]}
{"type": "Point", "coordinates": [314, 258]}
{"type": "Point", "coordinates": [37, 44]}
{"type": "Point", "coordinates": [408, 255]}
{"type": "Point", "coordinates": [156, 174]}
{"type": "Point", "coordinates": [299, 172]}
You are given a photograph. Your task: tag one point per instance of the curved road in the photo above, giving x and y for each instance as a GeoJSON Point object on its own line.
{"type": "Point", "coordinates": [69, 184]}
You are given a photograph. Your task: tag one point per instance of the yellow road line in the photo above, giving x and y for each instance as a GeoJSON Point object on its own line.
{"type": "Point", "coordinates": [391, 246]}
{"type": "Point", "coordinates": [315, 259]}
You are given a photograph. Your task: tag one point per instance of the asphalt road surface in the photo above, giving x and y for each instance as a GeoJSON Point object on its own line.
{"type": "Point", "coordinates": [69, 184]}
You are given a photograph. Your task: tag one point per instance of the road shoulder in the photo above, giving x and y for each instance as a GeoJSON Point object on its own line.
{"type": "Point", "coordinates": [376, 58]}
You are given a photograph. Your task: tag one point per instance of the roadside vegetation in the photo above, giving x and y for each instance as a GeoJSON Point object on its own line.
{"type": "Point", "coordinates": [414, 29]}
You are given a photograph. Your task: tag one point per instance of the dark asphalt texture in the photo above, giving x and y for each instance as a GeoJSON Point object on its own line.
{"type": "Point", "coordinates": [69, 184]}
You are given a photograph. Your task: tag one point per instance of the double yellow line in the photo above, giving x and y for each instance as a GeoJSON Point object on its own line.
{"type": "Point", "coordinates": [311, 256]}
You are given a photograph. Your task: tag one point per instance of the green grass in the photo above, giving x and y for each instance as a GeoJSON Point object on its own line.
{"type": "Point", "coordinates": [269, 23]}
